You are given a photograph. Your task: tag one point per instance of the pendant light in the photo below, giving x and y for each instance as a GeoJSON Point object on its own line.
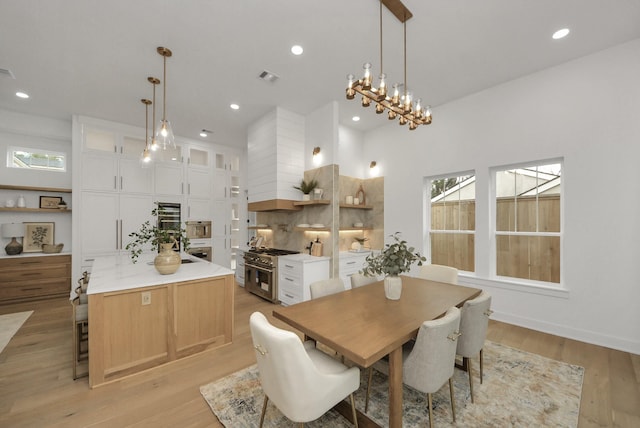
{"type": "Point", "coordinates": [164, 133]}
{"type": "Point", "coordinates": [154, 142]}
{"type": "Point", "coordinates": [145, 158]}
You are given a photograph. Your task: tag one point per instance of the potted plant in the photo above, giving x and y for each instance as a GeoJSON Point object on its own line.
{"type": "Point", "coordinates": [394, 259]}
{"type": "Point", "coordinates": [359, 243]}
{"type": "Point", "coordinates": [62, 205]}
{"type": "Point", "coordinates": [306, 188]}
{"type": "Point", "coordinates": [167, 261]}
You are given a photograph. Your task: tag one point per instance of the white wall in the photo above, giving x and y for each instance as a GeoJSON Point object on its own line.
{"type": "Point", "coordinates": [586, 111]}
{"type": "Point", "coordinates": [351, 153]}
{"type": "Point", "coordinates": [321, 130]}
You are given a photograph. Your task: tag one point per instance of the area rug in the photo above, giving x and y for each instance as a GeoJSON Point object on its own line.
{"type": "Point", "coordinates": [10, 324]}
{"type": "Point", "coordinates": [520, 389]}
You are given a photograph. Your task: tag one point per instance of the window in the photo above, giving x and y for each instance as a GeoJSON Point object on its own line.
{"type": "Point", "coordinates": [36, 159]}
{"type": "Point", "coordinates": [528, 213]}
{"type": "Point", "coordinates": [453, 221]}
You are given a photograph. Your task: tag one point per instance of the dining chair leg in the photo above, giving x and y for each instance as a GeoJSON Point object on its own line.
{"type": "Point", "coordinates": [366, 401]}
{"type": "Point", "coordinates": [468, 363]}
{"type": "Point", "coordinates": [430, 412]}
{"type": "Point", "coordinates": [453, 402]}
{"type": "Point", "coordinates": [353, 410]}
{"type": "Point", "coordinates": [264, 409]}
{"type": "Point", "coordinates": [481, 361]}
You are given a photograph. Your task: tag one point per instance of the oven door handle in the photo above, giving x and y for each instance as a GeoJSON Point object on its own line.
{"type": "Point", "coordinates": [249, 265]}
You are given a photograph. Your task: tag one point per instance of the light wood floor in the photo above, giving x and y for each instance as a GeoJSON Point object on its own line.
{"type": "Point", "coordinates": [36, 388]}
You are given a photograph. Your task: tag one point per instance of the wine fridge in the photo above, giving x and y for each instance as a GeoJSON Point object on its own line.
{"type": "Point", "coordinates": [169, 220]}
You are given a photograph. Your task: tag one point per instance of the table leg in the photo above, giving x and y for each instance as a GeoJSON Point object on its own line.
{"type": "Point", "coordinates": [395, 388]}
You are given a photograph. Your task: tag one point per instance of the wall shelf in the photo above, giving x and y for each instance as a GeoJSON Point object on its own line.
{"type": "Point", "coordinates": [34, 210]}
{"type": "Point", "coordinates": [35, 189]}
{"type": "Point", "coordinates": [259, 228]}
{"type": "Point", "coordinates": [356, 228]}
{"type": "Point", "coordinates": [312, 202]}
{"type": "Point", "coordinates": [312, 229]}
{"type": "Point", "coordinates": [357, 207]}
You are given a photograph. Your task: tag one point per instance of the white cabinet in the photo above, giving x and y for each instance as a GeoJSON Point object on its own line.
{"type": "Point", "coordinates": [240, 267]}
{"type": "Point", "coordinates": [108, 218]}
{"type": "Point", "coordinates": [168, 179]}
{"type": "Point", "coordinates": [295, 273]}
{"type": "Point", "coordinates": [351, 263]}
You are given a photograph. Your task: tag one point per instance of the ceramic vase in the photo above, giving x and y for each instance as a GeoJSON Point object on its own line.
{"type": "Point", "coordinates": [392, 287]}
{"type": "Point", "coordinates": [167, 261]}
{"type": "Point", "coordinates": [306, 197]}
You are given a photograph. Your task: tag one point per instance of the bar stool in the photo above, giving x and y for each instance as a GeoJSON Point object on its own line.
{"type": "Point", "coordinates": [80, 323]}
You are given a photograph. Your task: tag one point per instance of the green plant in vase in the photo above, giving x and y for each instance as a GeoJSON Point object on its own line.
{"type": "Point", "coordinates": [306, 187]}
{"type": "Point", "coordinates": [151, 234]}
{"type": "Point", "coordinates": [394, 259]}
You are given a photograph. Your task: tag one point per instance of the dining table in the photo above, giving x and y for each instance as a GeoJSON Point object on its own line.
{"type": "Point", "coordinates": [363, 326]}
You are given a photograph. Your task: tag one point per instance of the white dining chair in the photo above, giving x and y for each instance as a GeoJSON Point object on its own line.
{"type": "Point", "coordinates": [302, 382]}
{"type": "Point", "coordinates": [326, 287]}
{"type": "Point", "coordinates": [358, 280]}
{"type": "Point", "coordinates": [439, 273]}
{"type": "Point", "coordinates": [474, 322]}
{"type": "Point", "coordinates": [430, 362]}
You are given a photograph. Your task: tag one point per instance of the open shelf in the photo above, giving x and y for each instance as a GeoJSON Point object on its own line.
{"type": "Point", "coordinates": [357, 207]}
{"type": "Point", "coordinates": [312, 202]}
{"type": "Point", "coordinates": [35, 210]}
{"type": "Point", "coordinates": [356, 228]}
{"type": "Point", "coordinates": [35, 189]}
{"type": "Point", "coordinates": [312, 229]}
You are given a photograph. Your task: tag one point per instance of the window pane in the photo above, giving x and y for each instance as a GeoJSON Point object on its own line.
{"type": "Point", "coordinates": [35, 159]}
{"type": "Point", "coordinates": [453, 208]}
{"type": "Point", "coordinates": [453, 249]}
{"type": "Point", "coordinates": [529, 257]}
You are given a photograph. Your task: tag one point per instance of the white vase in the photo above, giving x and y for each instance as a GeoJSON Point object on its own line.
{"type": "Point", "coordinates": [306, 197]}
{"type": "Point", "coordinates": [392, 287]}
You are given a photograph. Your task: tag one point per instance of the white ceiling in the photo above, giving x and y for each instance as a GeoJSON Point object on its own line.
{"type": "Point", "coordinates": [93, 57]}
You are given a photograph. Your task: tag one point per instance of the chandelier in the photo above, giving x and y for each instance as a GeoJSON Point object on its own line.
{"type": "Point", "coordinates": [398, 106]}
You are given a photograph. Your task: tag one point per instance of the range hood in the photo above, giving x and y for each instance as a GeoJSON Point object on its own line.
{"type": "Point", "coordinates": [275, 160]}
{"type": "Point", "coordinates": [273, 205]}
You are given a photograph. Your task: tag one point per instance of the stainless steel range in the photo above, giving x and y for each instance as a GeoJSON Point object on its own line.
{"type": "Point", "coordinates": [261, 272]}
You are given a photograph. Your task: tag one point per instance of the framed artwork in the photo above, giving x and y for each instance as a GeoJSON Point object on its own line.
{"type": "Point", "coordinates": [50, 202]}
{"type": "Point", "coordinates": [36, 234]}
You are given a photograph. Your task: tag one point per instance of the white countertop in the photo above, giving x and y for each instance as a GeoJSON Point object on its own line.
{"type": "Point", "coordinates": [303, 257]}
{"type": "Point", "coordinates": [116, 273]}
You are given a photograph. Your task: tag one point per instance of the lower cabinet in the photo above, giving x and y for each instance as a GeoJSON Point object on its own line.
{"type": "Point", "coordinates": [34, 277]}
{"type": "Point", "coordinates": [295, 273]}
{"type": "Point", "coordinates": [351, 263]}
{"type": "Point", "coordinates": [136, 329]}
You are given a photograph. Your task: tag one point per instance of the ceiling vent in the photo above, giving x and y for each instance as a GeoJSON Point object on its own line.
{"type": "Point", "coordinates": [7, 73]}
{"type": "Point", "coordinates": [268, 76]}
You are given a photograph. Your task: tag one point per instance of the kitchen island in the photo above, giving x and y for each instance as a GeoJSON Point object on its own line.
{"type": "Point", "coordinates": [139, 319]}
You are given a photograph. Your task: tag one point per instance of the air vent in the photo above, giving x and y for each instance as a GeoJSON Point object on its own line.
{"type": "Point", "coordinates": [268, 76]}
{"type": "Point", "coordinates": [7, 73]}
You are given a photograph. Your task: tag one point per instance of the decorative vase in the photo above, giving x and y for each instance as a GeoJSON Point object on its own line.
{"type": "Point", "coordinates": [167, 261]}
{"type": "Point", "coordinates": [306, 197]}
{"type": "Point", "coordinates": [392, 287]}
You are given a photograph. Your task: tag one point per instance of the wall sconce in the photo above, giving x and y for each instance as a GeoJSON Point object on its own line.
{"type": "Point", "coordinates": [373, 169]}
{"type": "Point", "coordinates": [316, 156]}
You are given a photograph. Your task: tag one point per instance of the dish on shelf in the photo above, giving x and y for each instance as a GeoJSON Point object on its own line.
{"type": "Point", "coordinates": [303, 225]}
{"type": "Point", "coordinates": [317, 225]}
{"type": "Point", "coordinates": [358, 224]}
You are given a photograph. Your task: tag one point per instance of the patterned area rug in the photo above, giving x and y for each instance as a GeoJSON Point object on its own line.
{"type": "Point", "coordinates": [10, 324]}
{"type": "Point", "coordinates": [520, 389]}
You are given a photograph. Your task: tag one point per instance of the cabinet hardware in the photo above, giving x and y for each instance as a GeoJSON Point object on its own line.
{"type": "Point", "coordinates": [289, 266]}
{"type": "Point", "coordinates": [351, 263]}
{"type": "Point", "coordinates": [115, 182]}
{"type": "Point", "coordinates": [120, 182]}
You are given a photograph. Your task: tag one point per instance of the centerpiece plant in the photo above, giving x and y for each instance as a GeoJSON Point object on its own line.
{"type": "Point", "coordinates": [158, 238]}
{"type": "Point", "coordinates": [394, 259]}
{"type": "Point", "coordinates": [306, 187]}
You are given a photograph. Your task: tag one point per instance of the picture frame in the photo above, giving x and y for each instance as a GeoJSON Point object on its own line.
{"type": "Point", "coordinates": [50, 202]}
{"type": "Point", "coordinates": [36, 234]}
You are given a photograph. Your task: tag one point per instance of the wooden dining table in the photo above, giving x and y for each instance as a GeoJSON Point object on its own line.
{"type": "Point", "coordinates": [363, 325]}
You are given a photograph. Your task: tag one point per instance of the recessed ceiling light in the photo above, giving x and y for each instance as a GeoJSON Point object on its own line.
{"type": "Point", "coordinates": [234, 106]}
{"type": "Point", "coordinates": [560, 33]}
{"type": "Point", "coordinates": [203, 134]}
{"type": "Point", "coordinates": [356, 118]}
{"type": "Point", "coordinates": [297, 50]}
{"type": "Point", "coordinates": [22, 95]}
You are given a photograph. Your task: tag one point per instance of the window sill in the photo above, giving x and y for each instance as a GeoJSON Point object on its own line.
{"type": "Point", "coordinates": [523, 287]}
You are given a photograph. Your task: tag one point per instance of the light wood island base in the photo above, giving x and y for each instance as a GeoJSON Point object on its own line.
{"type": "Point", "coordinates": [136, 329]}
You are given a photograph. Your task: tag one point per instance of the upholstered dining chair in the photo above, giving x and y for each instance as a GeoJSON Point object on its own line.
{"type": "Point", "coordinates": [474, 321]}
{"type": "Point", "coordinates": [358, 280]}
{"type": "Point", "coordinates": [430, 363]}
{"type": "Point", "coordinates": [325, 287]}
{"type": "Point", "coordinates": [439, 273]}
{"type": "Point", "coordinates": [302, 382]}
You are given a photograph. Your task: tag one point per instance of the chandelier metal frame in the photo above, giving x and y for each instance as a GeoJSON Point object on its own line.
{"type": "Point", "coordinates": [398, 106]}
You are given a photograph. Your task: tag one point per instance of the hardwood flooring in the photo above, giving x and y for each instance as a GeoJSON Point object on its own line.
{"type": "Point", "coordinates": [37, 389]}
